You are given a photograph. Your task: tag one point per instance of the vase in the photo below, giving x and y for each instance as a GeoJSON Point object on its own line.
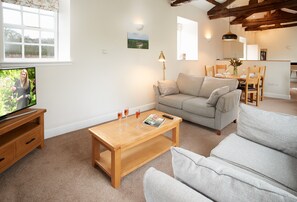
{"type": "Point", "coordinates": [235, 71]}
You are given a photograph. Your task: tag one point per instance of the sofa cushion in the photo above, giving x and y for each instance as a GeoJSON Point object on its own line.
{"type": "Point", "coordinates": [221, 183]}
{"type": "Point", "coordinates": [198, 105]}
{"type": "Point", "coordinates": [264, 161]}
{"type": "Point", "coordinates": [275, 130]}
{"type": "Point", "coordinates": [216, 94]}
{"type": "Point", "coordinates": [188, 84]}
{"type": "Point", "coordinates": [168, 87]}
{"type": "Point", "coordinates": [210, 84]}
{"type": "Point", "coordinates": [175, 101]}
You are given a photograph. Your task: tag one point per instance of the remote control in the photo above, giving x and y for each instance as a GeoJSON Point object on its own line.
{"type": "Point", "coordinates": [167, 116]}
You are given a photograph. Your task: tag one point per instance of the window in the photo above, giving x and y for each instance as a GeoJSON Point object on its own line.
{"type": "Point", "coordinates": [29, 33]}
{"type": "Point", "coordinates": [187, 39]}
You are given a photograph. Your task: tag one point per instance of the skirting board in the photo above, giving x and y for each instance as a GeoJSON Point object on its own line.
{"type": "Point", "coordinates": [280, 96]}
{"type": "Point", "coordinates": [90, 122]}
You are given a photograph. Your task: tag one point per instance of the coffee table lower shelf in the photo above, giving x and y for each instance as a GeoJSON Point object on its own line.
{"type": "Point", "coordinates": [136, 156]}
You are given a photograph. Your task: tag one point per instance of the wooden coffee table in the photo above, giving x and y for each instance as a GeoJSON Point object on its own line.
{"type": "Point", "coordinates": [130, 144]}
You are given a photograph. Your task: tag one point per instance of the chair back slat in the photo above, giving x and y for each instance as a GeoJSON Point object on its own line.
{"type": "Point", "coordinates": [221, 69]}
{"type": "Point", "coordinates": [209, 71]}
{"type": "Point", "coordinates": [253, 76]}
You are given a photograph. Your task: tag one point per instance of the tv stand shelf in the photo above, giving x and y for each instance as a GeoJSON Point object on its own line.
{"type": "Point", "coordinates": [21, 135]}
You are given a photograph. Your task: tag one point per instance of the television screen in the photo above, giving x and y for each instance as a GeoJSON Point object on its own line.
{"type": "Point", "coordinates": [17, 89]}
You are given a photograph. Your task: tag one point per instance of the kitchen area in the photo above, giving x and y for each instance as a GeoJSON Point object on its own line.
{"type": "Point", "coordinates": [281, 69]}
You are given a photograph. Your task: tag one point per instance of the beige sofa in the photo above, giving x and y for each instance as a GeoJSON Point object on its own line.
{"type": "Point", "coordinates": [208, 101]}
{"type": "Point", "coordinates": [256, 163]}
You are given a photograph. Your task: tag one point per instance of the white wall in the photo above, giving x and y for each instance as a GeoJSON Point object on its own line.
{"type": "Point", "coordinates": [91, 89]}
{"type": "Point", "coordinates": [281, 44]}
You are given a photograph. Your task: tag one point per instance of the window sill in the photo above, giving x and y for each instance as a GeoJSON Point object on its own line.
{"type": "Point", "coordinates": [34, 63]}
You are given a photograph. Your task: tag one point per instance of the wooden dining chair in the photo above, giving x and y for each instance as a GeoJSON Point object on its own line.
{"type": "Point", "coordinates": [221, 69]}
{"type": "Point", "coordinates": [252, 85]}
{"type": "Point", "coordinates": [262, 78]}
{"type": "Point", "coordinates": [209, 71]}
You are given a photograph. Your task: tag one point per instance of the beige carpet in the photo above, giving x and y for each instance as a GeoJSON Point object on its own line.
{"type": "Point", "coordinates": [63, 172]}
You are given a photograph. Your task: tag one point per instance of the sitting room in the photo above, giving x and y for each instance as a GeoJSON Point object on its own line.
{"type": "Point", "coordinates": [82, 102]}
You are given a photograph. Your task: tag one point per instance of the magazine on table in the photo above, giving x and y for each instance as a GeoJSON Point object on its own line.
{"type": "Point", "coordinates": [154, 120]}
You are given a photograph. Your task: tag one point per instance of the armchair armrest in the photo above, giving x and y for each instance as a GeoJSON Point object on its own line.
{"type": "Point", "coordinates": [162, 188]}
{"type": "Point", "coordinates": [229, 101]}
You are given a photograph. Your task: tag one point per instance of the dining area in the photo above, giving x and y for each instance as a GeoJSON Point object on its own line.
{"type": "Point", "coordinates": [250, 79]}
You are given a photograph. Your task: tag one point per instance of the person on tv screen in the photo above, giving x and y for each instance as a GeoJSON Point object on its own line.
{"type": "Point", "coordinates": [22, 90]}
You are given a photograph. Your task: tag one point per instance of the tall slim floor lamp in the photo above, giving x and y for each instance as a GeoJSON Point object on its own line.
{"type": "Point", "coordinates": [162, 59]}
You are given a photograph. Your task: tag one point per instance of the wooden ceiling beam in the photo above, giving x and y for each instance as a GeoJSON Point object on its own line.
{"type": "Point", "coordinates": [214, 2]}
{"type": "Point", "coordinates": [275, 18]}
{"type": "Point", "coordinates": [270, 27]}
{"type": "Point", "coordinates": [253, 2]}
{"type": "Point", "coordinates": [294, 8]}
{"type": "Point", "coordinates": [253, 8]}
{"type": "Point", "coordinates": [219, 6]}
{"type": "Point", "coordinates": [239, 20]}
{"type": "Point", "coordinates": [179, 2]}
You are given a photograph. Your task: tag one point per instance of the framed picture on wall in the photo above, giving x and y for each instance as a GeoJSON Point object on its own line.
{"type": "Point", "coordinates": [137, 40]}
{"type": "Point", "coordinates": [263, 54]}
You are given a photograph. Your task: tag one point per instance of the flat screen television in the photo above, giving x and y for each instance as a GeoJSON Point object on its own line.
{"type": "Point", "coordinates": [17, 90]}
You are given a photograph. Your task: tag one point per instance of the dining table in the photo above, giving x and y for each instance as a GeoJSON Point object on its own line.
{"type": "Point", "coordinates": [231, 76]}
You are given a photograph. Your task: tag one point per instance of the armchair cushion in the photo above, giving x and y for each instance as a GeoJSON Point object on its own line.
{"type": "Point", "coordinates": [162, 188]}
{"type": "Point", "coordinates": [274, 130]}
{"type": "Point", "coordinates": [221, 183]}
{"type": "Point", "coordinates": [270, 164]}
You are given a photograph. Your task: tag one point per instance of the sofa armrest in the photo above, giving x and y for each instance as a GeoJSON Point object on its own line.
{"type": "Point", "coordinates": [161, 187]}
{"type": "Point", "coordinates": [157, 93]}
{"type": "Point", "coordinates": [229, 101]}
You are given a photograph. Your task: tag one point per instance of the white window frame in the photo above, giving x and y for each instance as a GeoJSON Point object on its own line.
{"type": "Point", "coordinates": [63, 36]}
{"type": "Point", "coordinates": [23, 27]}
{"type": "Point", "coordinates": [187, 39]}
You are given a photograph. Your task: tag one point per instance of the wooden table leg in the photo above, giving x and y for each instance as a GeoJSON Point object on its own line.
{"type": "Point", "coordinates": [95, 151]}
{"type": "Point", "coordinates": [175, 136]}
{"type": "Point", "coordinates": [116, 168]}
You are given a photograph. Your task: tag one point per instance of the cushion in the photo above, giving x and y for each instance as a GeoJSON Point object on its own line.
{"type": "Point", "coordinates": [216, 94]}
{"type": "Point", "coordinates": [210, 84]}
{"type": "Point", "coordinates": [175, 101]}
{"type": "Point", "coordinates": [159, 187]}
{"type": "Point", "coordinates": [264, 161]}
{"type": "Point", "coordinates": [199, 106]}
{"type": "Point", "coordinates": [221, 183]}
{"type": "Point", "coordinates": [168, 87]}
{"type": "Point", "coordinates": [275, 130]}
{"type": "Point", "coordinates": [188, 84]}
{"type": "Point", "coordinates": [252, 173]}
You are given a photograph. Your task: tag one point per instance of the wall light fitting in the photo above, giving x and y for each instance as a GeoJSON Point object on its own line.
{"type": "Point", "coordinates": [139, 27]}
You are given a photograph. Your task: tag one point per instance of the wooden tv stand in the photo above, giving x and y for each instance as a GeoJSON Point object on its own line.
{"type": "Point", "coordinates": [21, 135]}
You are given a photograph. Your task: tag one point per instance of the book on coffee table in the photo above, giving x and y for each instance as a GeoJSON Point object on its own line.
{"type": "Point", "coordinates": [154, 120]}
